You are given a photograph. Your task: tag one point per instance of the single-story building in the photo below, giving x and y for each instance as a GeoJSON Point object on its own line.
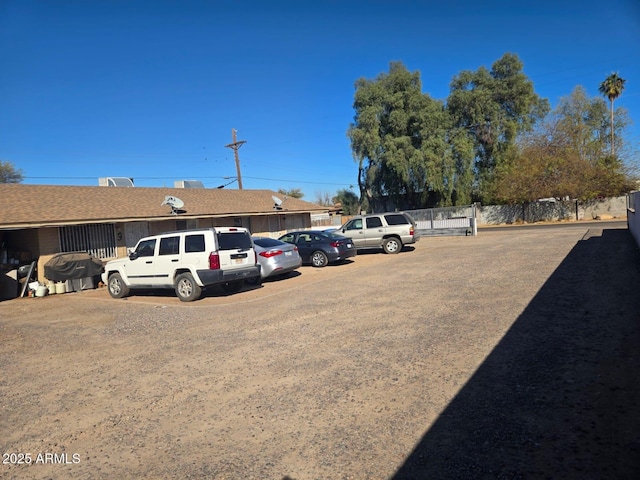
{"type": "Point", "coordinates": [38, 221]}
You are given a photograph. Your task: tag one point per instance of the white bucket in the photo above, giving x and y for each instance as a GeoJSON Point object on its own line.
{"type": "Point", "coordinates": [41, 291]}
{"type": "Point", "coordinates": [61, 287]}
{"type": "Point", "coordinates": [52, 288]}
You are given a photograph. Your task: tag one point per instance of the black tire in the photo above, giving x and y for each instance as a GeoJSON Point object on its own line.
{"type": "Point", "coordinates": [319, 259]}
{"type": "Point", "coordinates": [116, 286]}
{"type": "Point", "coordinates": [392, 245]}
{"type": "Point", "coordinates": [186, 288]}
{"type": "Point", "coordinates": [233, 287]}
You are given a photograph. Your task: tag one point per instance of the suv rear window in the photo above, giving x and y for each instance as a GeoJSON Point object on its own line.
{"type": "Point", "coordinates": [374, 222]}
{"type": "Point", "coordinates": [396, 219]}
{"type": "Point", "coordinates": [234, 241]}
{"type": "Point", "coordinates": [194, 243]}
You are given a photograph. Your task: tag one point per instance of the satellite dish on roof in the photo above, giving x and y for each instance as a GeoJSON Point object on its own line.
{"type": "Point", "coordinates": [277, 202]}
{"type": "Point", "coordinates": [174, 202]}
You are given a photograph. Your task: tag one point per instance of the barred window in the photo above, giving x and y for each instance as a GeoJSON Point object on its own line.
{"type": "Point", "coordinates": [97, 239]}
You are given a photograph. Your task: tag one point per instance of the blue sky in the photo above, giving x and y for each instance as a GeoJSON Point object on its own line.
{"type": "Point", "coordinates": [152, 89]}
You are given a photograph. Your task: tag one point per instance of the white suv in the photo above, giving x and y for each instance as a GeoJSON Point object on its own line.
{"type": "Point", "coordinates": [186, 261]}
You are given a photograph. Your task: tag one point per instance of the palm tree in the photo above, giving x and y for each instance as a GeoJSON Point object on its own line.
{"type": "Point", "coordinates": [612, 88]}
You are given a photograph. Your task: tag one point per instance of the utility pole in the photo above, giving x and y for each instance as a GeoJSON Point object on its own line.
{"type": "Point", "coordinates": [235, 146]}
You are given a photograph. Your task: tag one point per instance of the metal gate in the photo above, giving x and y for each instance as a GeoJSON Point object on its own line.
{"type": "Point", "coordinates": [459, 220]}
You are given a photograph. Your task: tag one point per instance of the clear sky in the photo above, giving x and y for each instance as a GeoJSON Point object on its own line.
{"type": "Point", "coordinates": [152, 89]}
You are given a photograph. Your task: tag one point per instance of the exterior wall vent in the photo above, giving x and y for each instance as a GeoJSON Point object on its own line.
{"type": "Point", "coordinates": [188, 184]}
{"type": "Point", "coordinates": [115, 182]}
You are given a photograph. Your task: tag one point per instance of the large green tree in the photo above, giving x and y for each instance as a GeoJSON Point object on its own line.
{"type": "Point", "coordinates": [612, 88]}
{"type": "Point", "coordinates": [494, 107]}
{"type": "Point", "coordinates": [405, 144]}
{"type": "Point", "coordinates": [9, 174]}
{"type": "Point", "coordinates": [579, 122]}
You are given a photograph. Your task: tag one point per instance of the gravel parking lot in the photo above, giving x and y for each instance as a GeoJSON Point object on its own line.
{"type": "Point", "coordinates": [513, 354]}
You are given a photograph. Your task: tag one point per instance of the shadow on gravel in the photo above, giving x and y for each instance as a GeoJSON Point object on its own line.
{"type": "Point", "coordinates": [559, 396]}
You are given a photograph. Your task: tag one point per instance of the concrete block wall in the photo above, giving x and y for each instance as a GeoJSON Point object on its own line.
{"type": "Point", "coordinates": [603, 209]}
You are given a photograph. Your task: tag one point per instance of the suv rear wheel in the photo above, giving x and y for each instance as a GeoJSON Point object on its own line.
{"type": "Point", "coordinates": [392, 245]}
{"type": "Point", "coordinates": [319, 259]}
{"type": "Point", "coordinates": [187, 289]}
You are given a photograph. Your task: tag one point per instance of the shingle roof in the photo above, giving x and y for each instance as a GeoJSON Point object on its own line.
{"type": "Point", "coordinates": [34, 205]}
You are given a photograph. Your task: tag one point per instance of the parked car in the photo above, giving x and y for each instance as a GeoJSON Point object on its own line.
{"type": "Point", "coordinates": [320, 248]}
{"type": "Point", "coordinates": [389, 231]}
{"type": "Point", "coordinates": [186, 261]}
{"type": "Point", "coordinates": [276, 257]}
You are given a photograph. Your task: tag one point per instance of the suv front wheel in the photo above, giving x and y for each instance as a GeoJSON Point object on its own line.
{"type": "Point", "coordinates": [392, 245]}
{"type": "Point", "coordinates": [187, 289]}
{"type": "Point", "coordinates": [117, 287]}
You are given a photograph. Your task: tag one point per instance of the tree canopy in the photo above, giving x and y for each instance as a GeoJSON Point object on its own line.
{"type": "Point", "coordinates": [404, 144]}
{"type": "Point", "coordinates": [294, 192]}
{"type": "Point", "coordinates": [349, 201]}
{"type": "Point", "coordinates": [565, 157]}
{"type": "Point", "coordinates": [9, 174]}
{"type": "Point", "coordinates": [494, 107]}
{"type": "Point", "coordinates": [494, 139]}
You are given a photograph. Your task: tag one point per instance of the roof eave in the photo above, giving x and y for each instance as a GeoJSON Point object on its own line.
{"type": "Point", "coordinates": [84, 221]}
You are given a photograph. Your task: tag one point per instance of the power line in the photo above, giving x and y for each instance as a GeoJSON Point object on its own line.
{"type": "Point", "coordinates": [194, 176]}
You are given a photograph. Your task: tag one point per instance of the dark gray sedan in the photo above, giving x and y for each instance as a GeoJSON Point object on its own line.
{"type": "Point", "coordinates": [320, 248]}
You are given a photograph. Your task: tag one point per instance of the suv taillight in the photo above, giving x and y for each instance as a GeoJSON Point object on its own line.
{"type": "Point", "coordinates": [214, 261]}
{"type": "Point", "coordinates": [411, 230]}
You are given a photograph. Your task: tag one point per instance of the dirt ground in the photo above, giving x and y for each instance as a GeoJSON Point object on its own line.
{"type": "Point", "coordinates": [513, 354]}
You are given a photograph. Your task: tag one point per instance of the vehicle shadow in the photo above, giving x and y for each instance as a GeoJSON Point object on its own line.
{"type": "Point", "coordinates": [283, 277]}
{"type": "Point", "coordinates": [374, 251]}
{"type": "Point", "coordinates": [559, 396]}
{"type": "Point", "coordinates": [212, 291]}
{"type": "Point", "coordinates": [309, 266]}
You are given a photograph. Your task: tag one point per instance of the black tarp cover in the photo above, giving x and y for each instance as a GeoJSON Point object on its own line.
{"type": "Point", "coordinates": [69, 266]}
